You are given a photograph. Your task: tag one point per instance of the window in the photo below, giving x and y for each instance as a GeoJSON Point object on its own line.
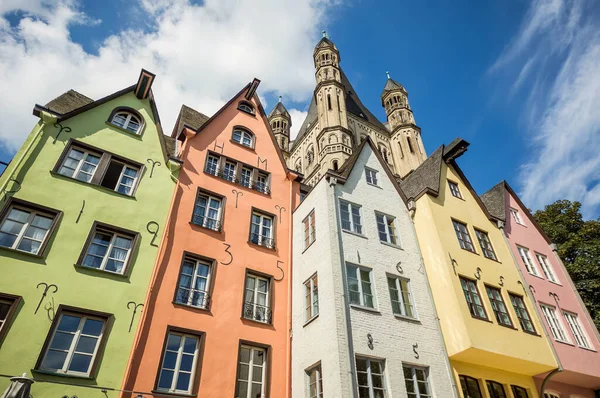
{"type": "Point", "coordinates": [237, 172]}
{"type": "Point", "coordinates": [246, 107]}
{"type": "Point", "coordinates": [179, 363]}
{"type": "Point", "coordinates": [97, 167]}
{"type": "Point", "coordinates": [251, 372]}
{"type": "Point", "coordinates": [371, 378]}
{"type": "Point", "coordinates": [350, 217]}
{"type": "Point", "coordinates": [207, 211]}
{"type": "Point", "coordinates": [194, 283]}
{"type": "Point", "coordinates": [212, 165]}
{"type": "Point", "coordinates": [359, 285]}
{"type": "Point", "coordinates": [554, 323]}
{"type": "Point", "coordinates": [400, 295]}
{"type": "Point", "coordinates": [108, 249]}
{"type": "Point", "coordinates": [519, 392]}
{"type": "Point", "coordinates": [454, 190]}
{"type": "Point", "coordinates": [127, 121]}
{"type": "Point", "coordinates": [74, 343]}
{"type": "Point", "coordinates": [328, 101]}
{"type": "Point", "coordinates": [522, 313]}
{"type": "Point", "coordinates": [243, 137]}
{"type": "Point", "coordinates": [27, 227]}
{"type": "Point", "coordinates": [261, 232]}
{"type": "Point", "coordinates": [315, 382]}
{"type": "Point", "coordinates": [262, 182]}
{"type": "Point", "coordinates": [576, 329]}
{"type": "Point", "coordinates": [516, 216]}
{"type": "Point", "coordinates": [371, 176]}
{"type": "Point", "coordinates": [526, 257]}
{"type": "Point", "coordinates": [246, 177]}
{"type": "Point", "coordinates": [8, 308]}
{"type": "Point", "coordinates": [256, 299]}
{"type": "Point", "coordinates": [551, 395]}
{"type": "Point", "coordinates": [386, 228]}
{"type": "Point", "coordinates": [462, 233]}
{"type": "Point", "coordinates": [495, 389]}
{"type": "Point", "coordinates": [473, 298]}
{"type": "Point", "coordinates": [485, 244]}
{"type": "Point", "coordinates": [311, 288]}
{"type": "Point", "coordinates": [410, 147]}
{"type": "Point", "coordinates": [546, 267]}
{"type": "Point", "coordinates": [229, 171]}
{"type": "Point", "coordinates": [470, 387]}
{"type": "Point", "coordinates": [498, 306]}
{"type": "Point", "coordinates": [417, 383]}
{"type": "Point", "coordinates": [310, 233]}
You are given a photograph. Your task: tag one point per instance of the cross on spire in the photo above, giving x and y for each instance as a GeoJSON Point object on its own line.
{"type": "Point", "coordinates": [280, 98]}
{"type": "Point", "coordinates": [388, 75]}
{"type": "Point", "coordinates": [324, 34]}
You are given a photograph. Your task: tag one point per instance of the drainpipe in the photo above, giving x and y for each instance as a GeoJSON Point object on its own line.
{"type": "Point", "coordinates": [412, 209]}
{"type": "Point", "coordinates": [290, 285]}
{"type": "Point", "coordinates": [45, 118]}
{"type": "Point", "coordinates": [338, 230]}
{"type": "Point", "coordinates": [537, 311]}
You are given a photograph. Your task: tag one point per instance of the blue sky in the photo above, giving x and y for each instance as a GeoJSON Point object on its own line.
{"type": "Point", "coordinates": [519, 80]}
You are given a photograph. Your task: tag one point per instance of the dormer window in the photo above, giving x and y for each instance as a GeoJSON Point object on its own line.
{"type": "Point", "coordinates": [127, 121]}
{"type": "Point", "coordinates": [246, 107]}
{"type": "Point", "coordinates": [243, 137]}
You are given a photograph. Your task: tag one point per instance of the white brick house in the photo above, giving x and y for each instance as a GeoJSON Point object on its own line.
{"type": "Point", "coordinates": [353, 219]}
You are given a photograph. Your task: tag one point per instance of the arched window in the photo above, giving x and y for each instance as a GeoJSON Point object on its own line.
{"type": "Point", "coordinates": [310, 155]}
{"type": "Point", "coordinates": [127, 120]}
{"type": "Point", "coordinates": [298, 166]}
{"type": "Point", "coordinates": [333, 139]}
{"type": "Point", "coordinates": [243, 137]}
{"type": "Point", "coordinates": [247, 107]}
{"type": "Point", "coordinates": [401, 151]}
{"type": "Point", "coordinates": [334, 164]}
{"type": "Point", "coordinates": [384, 153]}
{"type": "Point", "coordinates": [410, 147]}
{"type": "Point", "coordinates": [328, 101]}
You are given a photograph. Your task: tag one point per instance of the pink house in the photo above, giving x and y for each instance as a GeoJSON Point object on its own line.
{"type": "Point", "coordinates": [568, 324]}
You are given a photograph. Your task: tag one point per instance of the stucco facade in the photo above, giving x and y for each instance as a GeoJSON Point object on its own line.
{"type": "Point", "coordinates": [344, 331]}
{"type": "Point", "coordinates": [552, 288]}
{"type": "Point", "coordinates": [218, 311]}
{"type": "Point", "coordinates": [56, 281]}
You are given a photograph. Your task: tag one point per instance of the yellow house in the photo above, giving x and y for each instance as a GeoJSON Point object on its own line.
{"type": "Point", "coordinates": [494, 337]}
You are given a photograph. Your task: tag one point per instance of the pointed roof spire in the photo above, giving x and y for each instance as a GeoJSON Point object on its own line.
{"type": "Point", "coordinates": [392, 85]}
{"type": "Point", "coordinates": [280, 110]}
{"type": "Point", "coordinates": [325, 42]}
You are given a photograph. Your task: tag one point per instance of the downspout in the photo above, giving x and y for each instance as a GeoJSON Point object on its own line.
{"type": "Point", "coordinates": [537, 311]}
{"type": "Point", "coordinates": [351, 354]}
{"type": "Point", "coordinates": [412, 209]}
{"type": "Point", "coordinates": [45, 118]}
{"type": "Point", "coordinates": [290, 285]}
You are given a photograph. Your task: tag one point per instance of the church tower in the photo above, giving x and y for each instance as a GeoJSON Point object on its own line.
{"type": "Point", "coordinates": [334, 138]}
{"type": "Point", "coordinates": [281, 121]}
{"type": "Point", "coordinates": [407, 147]}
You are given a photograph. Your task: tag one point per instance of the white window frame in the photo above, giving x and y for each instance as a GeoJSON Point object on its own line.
{"type": "Point", "coordinates": [555, 325]}
{"type": "Point", "coordinates": [261, 228]}
{"type": "Point", "coordinates": [525, 255]}
{"type": "Point", "coordinates": [206, 220]}
{"type": "Point", "coordinates": [316, 370]}
{"type": "Point", "coordinates": [547, 268]}
{"type": "Point", "coordinates": [551, 395]}
{"type": "Point", "coordinates": [71, 350]}
{"type": "Point", "coordinates": [454, 189]}
{"type": "Point", "coordinates": [357, 276]}
{"type": "Point", "coordinates": [389, 222]}
{"type": "Point", "coordinates": [177, 370]}
{"type": "Point", "coordinates": [370, 375]}
{"type": "Point", "coordinates": [256, 315]}
{"type": "Point", "coordinates": [80, 163]}
{"type": "Point", "coordinates": [245, 107]}
{"type": "Point", "coordinates": [577, 330]}
{"type": "Point", "coordinates": [402, 302]}
{"type": "Point", "coordinates": [354, 226]}
{"type": "Point", "coordinates": [243, 135]}
{"type": "Point", "coordinates": [310, 230]}
{"type": "Point", "coordinates": [425, 370]}
{"type": "Point", "coordinates": [311, 294]}
{"type": "Point", "coordinates": [21, 235]}
{"type": "Point", "coordinates": [243, 181]}
{"type": "Point", "coordinates": [208, 169]}
{"type": "Point", "coordinates": [194, 277]}
{"type": "Point", "coordinates": [262, 182]}
{"type": "Point", "coordinates": [120, 181]}
{"type": "Point", "coordinates": [106, 256]}
{"type": "Point", "coordinates": [516, 216]}
{"type": "Point", "coordinates": [127, 121]}
{"type": "Point", "coordinates": [251, 365]}
{"type": "Point", "coordinates": [371, 176]}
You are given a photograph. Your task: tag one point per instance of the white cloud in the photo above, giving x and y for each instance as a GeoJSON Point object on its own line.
{"type": "Point", "coordinates": [202, 55]}
{"type": "Point", "coordinates": [562, 111]}
{"type": "Point", "coordinates": [297, 119]}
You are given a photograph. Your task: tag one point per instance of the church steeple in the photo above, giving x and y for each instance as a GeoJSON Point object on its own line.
{"type": "Point", "coordinates": [281, 121]}
{"type": "Point", "coordinates": [406, 143]}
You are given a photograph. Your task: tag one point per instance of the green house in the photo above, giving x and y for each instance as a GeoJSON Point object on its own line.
{"type": "Point", "coordinates": [83, 208]}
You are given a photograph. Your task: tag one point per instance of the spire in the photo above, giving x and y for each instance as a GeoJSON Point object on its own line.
{"type": "Point", "coordinates": [392, 85]}
{"type": "Point", "coordinates": [279, 109]}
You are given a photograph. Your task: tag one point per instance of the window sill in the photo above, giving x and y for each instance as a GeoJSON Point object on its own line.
{"type": "Point", "coordinates": [243, 318]}
{"type": "Point", "coordinates": [310, 321]}
{"type": "Point", "coordinates": [507, 326]}
{"type": "Point", "coordinates": [355, 234]}
{"type": "Point", "coordinates": [491, 259]}
{"type": "Point", "coordinates": [191, 307]}
{"type": "Point", "coordinates": [173, 394]}
{"type": "Point", "coordinates": [242, 145]}
{"type": "Point", "coordinates": [16, 251]}
{"type": "Point", "coordinates": [274, 248]}
{"type": "Point", "coordinates": [536, 276]}
{"type": "Point", "coordinates": [366, 309]}
{"type": "Point", "coordinates": [407, 318]}
{"type": "Point", "coordinates": [374, 185]}
{"type": "Point", "coordinates": [531, 333]}
{"type": "Point", "coordinates": [565, 343]}
{"type": "Point", "coordinates": [391, 245]}
{"type": "Point", "coordinates": [220, 230]}
{"type": "Point", "coordinates": [555, 283]}
{"type": "Point", "coordinates": [470, 251]}
{"type": "Point", "coordinates": [308, 247]}
{"type": "Point", "coordinates": [121, 129]}
{"type": "Point", "coordinates": [482, 319]}
{"type": "Point", "coordinates": [587, 349]}
{"type": "Point", "coordinates": [107, 190]}
{"type": "Point", "coordinates": [71, 376]}
{"type": "Point", "coordinates": [101, 271]}
{"type": "Point", "coordinates": [457, 197]}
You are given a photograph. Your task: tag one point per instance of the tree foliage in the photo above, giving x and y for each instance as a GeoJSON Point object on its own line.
{"type": "Point", "coordinates": [578, 244]}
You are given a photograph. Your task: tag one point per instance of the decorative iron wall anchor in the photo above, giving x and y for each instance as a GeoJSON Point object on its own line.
{"type": "Point", "coordinates": [60, 126]}
{"type": "Point", "coordinates": [478, 274]}
{"type": "Point", "coordinates": [227, 246]}
{"type": "Point", "coordinates": [370, 341]}
{"type": "Point", "coordinates": [522, 286]}
{"type": "Point", "coordinates": [46, 288]}
{"type": "Point", "coordinates": [358, 256]}
{"type": "Point", "coordinates": [399, 267]}
{"type": "Point", "coordinates": [155, 233]}
{"type": "Point", "coordinates": [453, 262]}
{"type": "Point", "coordinates": [532, 289]}
{"type": "Point", "coordinates": [415, 346]}
{"type": "Point", "coordinates": [135, 308]}
{"type": "Point", "coordinates": [501, 282]}
{"type": "Point", "coordinates": [153, 163]}
{"type": "Point", "coordinates": [282, 271]}
{"type": "Point", "coordinates": [80, 212]}
{"type": "Point", "coordinates": [237, 193]}
{"type": "Point", "coordinates": [261, 161]}
{"type": "Point", "coordinates": [15, 189]}
{"type": "Point", "coordinates": [221, 147]}
{"type": "Point", "coordinates": [277, 207]}
{"type": "Point", "coordinates": [49, 307]}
